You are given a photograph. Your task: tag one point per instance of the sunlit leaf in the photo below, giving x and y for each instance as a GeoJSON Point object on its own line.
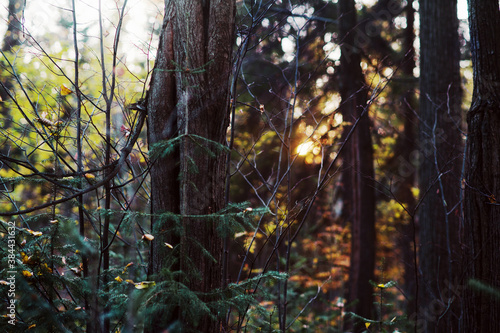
{"type": "Point", "coordinates": [77, 270]}
{"type": "Point", "coordinates": [34, 233]}
{"type": "Point", "coordinates": [148, 237]}
{"type": "Point", "coordinates": [145, 284]}
{"type": "Point", "coordinates": [65, 91]}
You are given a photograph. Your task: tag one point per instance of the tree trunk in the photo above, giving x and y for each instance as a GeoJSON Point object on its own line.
{"type": "Point", "coordinates": [440, 164]}
{"type": "Point", "coordinates": [358, 177]}
{"type": "Point", "coordinates": [11, 39]}
{"type": "Point", "coordinates": [189, 97]}
{"type": "Point", "coordinates": [482, 187]}
{"type": "Point", "coordinates": [405, 147]}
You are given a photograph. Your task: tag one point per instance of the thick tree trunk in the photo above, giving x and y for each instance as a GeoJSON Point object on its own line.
{"type": "Point", "coordinates": [189, 97]}
{"type": "Point", "coordinates": [482, 187]}
{"type": "Point", "coordinates": [440, 164]}
{"type": "Point", "coordinates": [358, 177]}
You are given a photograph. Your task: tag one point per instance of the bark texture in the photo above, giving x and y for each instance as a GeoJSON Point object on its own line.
{"type": "Point", "coordinates": [358, 177]}
{"type": "Point", "coordinates": [189, 94]}
{"type": "Point", "coordinates": [440, 165]}
{"type": "Point", "coordinates": [482, 188]}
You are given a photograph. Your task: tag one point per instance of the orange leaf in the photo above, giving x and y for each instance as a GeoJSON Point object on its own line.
{"type": "Point", "coordinates": [65, 91]}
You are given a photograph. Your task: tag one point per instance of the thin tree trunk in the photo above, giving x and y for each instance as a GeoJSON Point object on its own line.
{"type": "Point", "coordinates": [440, 164]}
{"type": "Point", "coordinates": [11, 39]}
{"type": "Point", "coordinates": [482, 187]}
{"type": "Point", "coordinates": [358, 178]}
{"type": "Point", "coordinates": [408, 146]}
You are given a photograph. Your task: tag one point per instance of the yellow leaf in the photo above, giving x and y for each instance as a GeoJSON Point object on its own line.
{"type": "Point", "coordinates": [27, 273]}
{"type": "Point", "coordinates": [367, 325]}
{"type": "Point", "coordinates": [46, 267]}
{"type": "Point", "coordinates": [168, 245]}
{"type": "Point", "coordinates": [119, 279]}
{"type": "Point", "coordinates": [381, 286]}
{"type": "Point", "coordinates": [65, 91]}
{"type": "Point", "coordinates": [78, 308]}
{"type": "Point", "coordinates": [145, 284]}
{"type": "Point", "coordinates": [148, 237]}
{"type": "Point", "coordinates": [130, 281]}
{"type": "Point", "coordinates": [26, 259]}
{"type": "Point", "coordinates": [53, 221]}
{"type": "Point", "coordinates": [32, 326]}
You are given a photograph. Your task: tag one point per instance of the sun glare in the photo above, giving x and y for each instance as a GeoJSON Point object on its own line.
{"type": "Point", "coordinates": [305, 148]}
